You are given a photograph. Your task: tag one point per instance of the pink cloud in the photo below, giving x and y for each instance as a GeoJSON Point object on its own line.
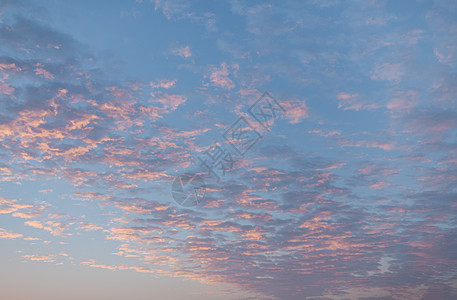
{"type": "Point", "coordinates": [127, 234]}
{"type": "Point", "coordinates": [183, 52]}
{"type": "Point", "coordinates": [170, 102]}
{"type": "Point", "coordinates": [9, 206]}
{"type": "Point", "coordinates": [89, 226]}
{"type": "Point", "coordinates": [296, 110]}
{"type": "Point", "coordinates": [7, 234]}
{"type": "Point", "coordinates": [387, 72]}
{"type": "Point", "coordinates": [144, 174]}
{"type": "Point", "coordinates": [369, 144]}
{"type": "Point", "coordinates": [12, 67]}
{"type": "Point", "coordinates": [42, 258]}
{"type": "Point", "coordinates": [254, 234]}
{"type": "Point", "coordinates": [6, 89]}
{"type": "Point", "coordinates": [163, 83]}
{"type": "Point", "coordinates": [141, 269]}
{"type": "Point", "coordinates": [25, 215]}
{"type": "Point", "coordinates": [46, 191]}
{"type": "Point", "coordinates": [84, 196]}
{"type": "Point", "coordinates": [403, 103]}
{"type": "Point", "coordinates": [57, 216]}
{"type": "Point", "coordinates": [325, 133]}
{"type": "Point", "coordinates": [219, 76]}
{"type": "Point", "coordinates": [332, 166]}
{"type": "Point", "coordinates": [58, 228]}
{"type": "Point", "coordinates": [379, 184]}
{"type": "Point", "coordinates": [378, 21]}
{"type": "Point", "coordinates": [42, 72]}
{"type": "Point", "coordinates": [35, 224]}
{"type": "Point", "coordinates": [354, 102]}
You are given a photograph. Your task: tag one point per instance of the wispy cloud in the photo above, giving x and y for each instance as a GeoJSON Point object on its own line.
{"type": "Point", "coordinates": [351, 194]}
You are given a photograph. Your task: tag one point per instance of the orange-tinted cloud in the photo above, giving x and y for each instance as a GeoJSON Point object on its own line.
{"type": "Point", "coordinates": [7, 234]}
{"type": "Point", "coordinates": [220, 76]}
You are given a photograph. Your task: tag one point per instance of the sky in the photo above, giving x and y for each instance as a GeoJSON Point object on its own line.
{"type": "Point", "coordinates": [274, 150]}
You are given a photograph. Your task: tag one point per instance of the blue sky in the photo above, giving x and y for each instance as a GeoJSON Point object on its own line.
{"type": "Point", "coordinates": [349, 193]}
